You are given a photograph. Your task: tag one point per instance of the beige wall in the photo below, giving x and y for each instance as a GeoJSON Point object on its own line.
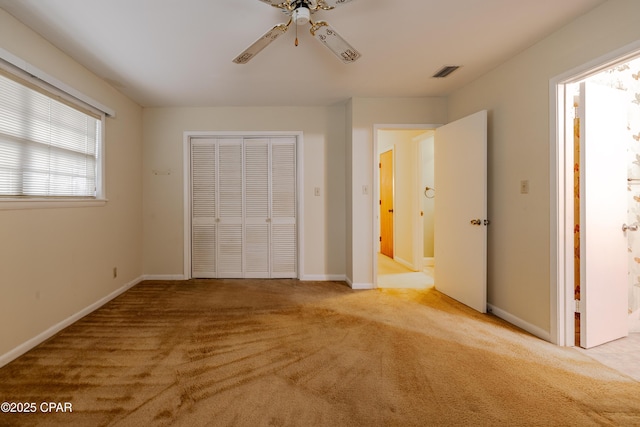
{"type": "Point", "coordinates": [364, 114]}
{"type": "Point", "coordinates": [426, 141]}
{"type": "Point", "coordinates": [324, 167]}
{"type": "Point", "coordinates": [517, 97]}
{"type": "Point", "coordinates": [56, 262]}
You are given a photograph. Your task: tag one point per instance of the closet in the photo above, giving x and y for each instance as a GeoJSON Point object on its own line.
{"type": "Point", "coordinates": [243, 207]}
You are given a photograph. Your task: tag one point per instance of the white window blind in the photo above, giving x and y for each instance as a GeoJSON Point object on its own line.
{"type": "Point", "coordinates": [49, 147]}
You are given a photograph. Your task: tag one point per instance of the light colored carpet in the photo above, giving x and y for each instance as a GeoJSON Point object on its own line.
{"type": "Point", "coordinates": [290, 353]}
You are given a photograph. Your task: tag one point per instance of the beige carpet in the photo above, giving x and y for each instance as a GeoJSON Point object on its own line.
{"type": "Point", "coordinates": [290, 353]}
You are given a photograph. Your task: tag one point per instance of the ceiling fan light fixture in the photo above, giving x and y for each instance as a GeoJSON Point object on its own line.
{"type": "Point", "coordinates": [299, 12]}
{"type": "Point", "coordinates": [301, 16]}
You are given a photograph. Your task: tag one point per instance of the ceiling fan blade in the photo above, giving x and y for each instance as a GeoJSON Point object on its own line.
{"type": "Point", "coordinates": [261, 43]}
{"type": "Point", "coordinates": [332, 40]}
{"type": "Point", "coordinates": [328, 4]}
{"type": "Point", "coordinates": [275, 3]}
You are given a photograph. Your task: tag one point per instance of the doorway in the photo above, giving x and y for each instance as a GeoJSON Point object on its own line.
{"type": "Point", "coordinates": [404, 250]}
{"type": "Point", "coordinates": [460, 220]}
{"type": "Point", "coordinates": [618, 78]}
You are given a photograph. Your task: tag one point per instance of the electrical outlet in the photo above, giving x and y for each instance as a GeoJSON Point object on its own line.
{"type": "Point", "coordinates": [115, 272]}
{"type": "Point", "coordinates": [524, 186]}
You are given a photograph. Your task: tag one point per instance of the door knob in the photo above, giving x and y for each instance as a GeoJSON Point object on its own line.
{"type": "Point", "coordinates": [476, 222]}
{"type": "Point", "coordinates": [390, 210]}
{"type": "Point", "coordinates": [626, 227]}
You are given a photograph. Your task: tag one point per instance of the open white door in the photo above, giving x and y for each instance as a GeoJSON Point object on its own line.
{"type": "Point", "coordinates": [603, 211]}
{"type": "Point", "coordinates": [460, 228]}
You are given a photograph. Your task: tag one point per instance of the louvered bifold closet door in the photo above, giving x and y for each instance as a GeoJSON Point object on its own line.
{"type": "Point", "coordinates": [257, 221]}
{"type": "Point", "coordinates": [283, 208]}
{"type": "Point", "coordinates": [230, 199]}
{"type": "Point", "coordinates": [243, 204]}
{"type": "Point", "coordinates": [203, 208]}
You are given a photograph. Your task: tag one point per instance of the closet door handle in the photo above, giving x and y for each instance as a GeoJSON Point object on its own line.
{"type": "Point", "coordinates": [626, 227]}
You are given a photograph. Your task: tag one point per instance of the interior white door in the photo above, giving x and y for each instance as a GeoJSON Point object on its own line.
{"type": "Point", "coordinates": [460, 214]}
{"type": "Point", "coordinates": [204, 228]}
{"type": "Point", "coordinates": [603, 211]}
{"type": "Point", "coordinates": [284, 237]}
{"type": "Point", "coordinates": [244, 207]}
{"type": "Point", "coordinates": [230, 204]}
{"type": "Point", "coordinates": [257, 196]}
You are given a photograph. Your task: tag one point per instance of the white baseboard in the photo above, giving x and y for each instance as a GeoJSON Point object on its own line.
{"type": "Point", "coordinates": [532, 329]}
{"type": "Point", "coordinates": [362, 286]}
{"type": "Point", "coordinates": [404, 263]}
{"type": "Point", "coordinates": [324, 278]}
{"type": "Point", "coordinates": [40, 338]}
{"type": "Point", "coordinates": [359, 286]}
{"type": "Point", "coordinates": [164, 277]}
{"type": "Point", "coordinates": [304, 278]}
{"type": "Point", "coordinates": [428, 261]}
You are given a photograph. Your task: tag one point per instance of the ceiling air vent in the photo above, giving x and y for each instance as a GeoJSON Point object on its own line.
{"type": "Point", "coordinates": [445, 71]}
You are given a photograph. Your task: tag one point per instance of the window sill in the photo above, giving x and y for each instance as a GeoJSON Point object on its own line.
{"type": "Point", "coordinates": [18, 204]}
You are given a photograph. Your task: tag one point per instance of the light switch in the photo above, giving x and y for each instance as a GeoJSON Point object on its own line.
{"type": "Point", "coordinates": [316, 191]}
{"type": "Point", "coordinates": [365, 190]}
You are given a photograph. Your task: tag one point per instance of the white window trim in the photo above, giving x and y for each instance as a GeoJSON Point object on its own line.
{"type": "Point", "coordinates": [19, 204]}
{"type": "Point", "coordinates": [10, 62]}
{"type": "Point", "coordinates": [13, 64]}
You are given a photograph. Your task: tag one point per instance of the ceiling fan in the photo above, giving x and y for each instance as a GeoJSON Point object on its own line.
{"type": "Point", "coordinates": [300, 12]}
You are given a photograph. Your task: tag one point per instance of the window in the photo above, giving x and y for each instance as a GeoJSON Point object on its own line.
{"type": "Point", "coordinates": [50, 146]}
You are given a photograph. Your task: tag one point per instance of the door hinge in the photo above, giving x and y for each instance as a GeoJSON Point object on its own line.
{"type": "Point", "coordinates": [381, 238]}
{"type": "Point", "coordinates": [577, 306]}
{"type": "Point", "coordinates": [379, 165]}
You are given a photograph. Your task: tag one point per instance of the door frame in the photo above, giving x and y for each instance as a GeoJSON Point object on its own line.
{"type": "Point", "coordinates": [376, 184]}
{"type": "Point", "coordinates": [418, 246]}
{"type": "Point", "coordinates": [186, 193]}
{"type": "Point", "coordinates": [562, 305]}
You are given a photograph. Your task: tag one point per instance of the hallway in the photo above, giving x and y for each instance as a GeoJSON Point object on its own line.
{"type": "Point", "coordinates": [392, 274]}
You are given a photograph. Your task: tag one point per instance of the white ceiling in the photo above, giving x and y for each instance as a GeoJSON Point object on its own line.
{"type": "Point", "coordinates": [179, 52]}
